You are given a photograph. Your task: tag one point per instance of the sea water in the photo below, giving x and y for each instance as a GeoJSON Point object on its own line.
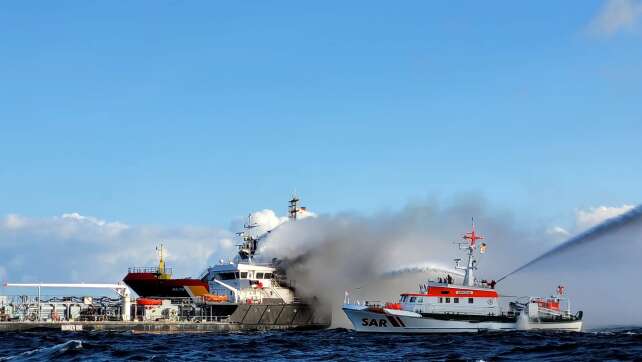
{"type": "Point", "coordinates": [331, 344]}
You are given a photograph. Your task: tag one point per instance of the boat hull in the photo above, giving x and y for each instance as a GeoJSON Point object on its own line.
{"type": "Point", "coordinates": [391, 321]}
{"type": "Point", "coordinates": [149, 285]}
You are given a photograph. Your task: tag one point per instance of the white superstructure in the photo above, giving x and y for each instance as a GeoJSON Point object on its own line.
{"type": "Point", "coordinates": [246, 280]}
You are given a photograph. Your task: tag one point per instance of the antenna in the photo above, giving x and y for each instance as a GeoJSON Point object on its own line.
{"type": "Point", "coordinates": [471, 237]}
{"type": "Point", "coordinates": [293, 209]}
{"type": "Point", "coordinates": [250, 243]}
{"type": "Point", "coordinates": [160, 249]}
{"type": "Point", "coordinates": [249, 224]}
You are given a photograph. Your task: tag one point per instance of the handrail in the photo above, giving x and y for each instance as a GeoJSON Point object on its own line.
{"type": "Point", "coordinates": [148, 269]}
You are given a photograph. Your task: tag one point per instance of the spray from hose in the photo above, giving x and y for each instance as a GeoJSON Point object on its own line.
{"type": "Point", "coordinates": [592, 234]}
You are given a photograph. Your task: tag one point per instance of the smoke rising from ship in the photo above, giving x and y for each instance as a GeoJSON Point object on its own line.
{"type": "Point", "coordinates": [376, 257]}
{"type": "Point", "coordinates": [330, 254]}
{"type": "Point", "coordinates": [373, 256]}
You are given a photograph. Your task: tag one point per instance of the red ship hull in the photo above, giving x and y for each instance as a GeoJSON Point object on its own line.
{"type": "Point", "coordinates": [150, 285]}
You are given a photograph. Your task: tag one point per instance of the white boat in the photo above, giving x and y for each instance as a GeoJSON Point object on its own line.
{"type": "Point", "coordinates": [444, 306]}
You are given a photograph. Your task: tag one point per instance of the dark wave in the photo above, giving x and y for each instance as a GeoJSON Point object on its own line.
{"type": "Point", "coordinates": [334, 344]}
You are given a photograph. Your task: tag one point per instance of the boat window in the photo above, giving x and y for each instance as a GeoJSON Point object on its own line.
{"type": "Point", "coordinates": [268, 275]}
{"type": "Point", "coordinates": [470, 300]}
{"type": "Point", "coordinates": [236, 275]}
{"type": "Point", "coordinates": [259, 275]}
{"type": "Point", "coordinates": [420, 300]}
{"type": "Point", "coordinates": [243, 275]}
{"type": "Point", "coordinates": [441, 300]}
{"type": "Point", "coordinates": [444, 292]}
{"type": "Point", "coordinates": [456, 300]}
{"type": "Point", "coordinates": [412, 299]}
{"type": "Point", "coordinates": [447, 300]}
{"type": "Point", "coordinates": [226, 276]}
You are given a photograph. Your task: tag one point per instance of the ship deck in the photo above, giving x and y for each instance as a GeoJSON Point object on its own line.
{"type": "Point", "coordinates": [148, 326]}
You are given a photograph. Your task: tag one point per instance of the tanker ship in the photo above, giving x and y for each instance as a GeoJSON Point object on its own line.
{"type": "Point", "coordinates": [443, 305]}
{"type": "Point", "coordinates": [241, 294]}
{"type": "Point", "coordinates": [244, 289]}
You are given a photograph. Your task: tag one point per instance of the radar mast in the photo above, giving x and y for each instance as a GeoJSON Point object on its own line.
{"type": "Point", "coordinates": [470, 246]}
{"type": "Point", "coordinates": [250, 243]}
{"type": "Point", "coordinates": [293, 209]}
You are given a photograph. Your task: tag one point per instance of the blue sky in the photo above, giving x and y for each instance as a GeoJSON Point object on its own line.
{"type": "Point", "coordinates": [175, 113]}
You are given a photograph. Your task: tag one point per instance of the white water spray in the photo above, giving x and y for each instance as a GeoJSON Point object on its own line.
{"type": "Point", "coordinates": [609, 226]}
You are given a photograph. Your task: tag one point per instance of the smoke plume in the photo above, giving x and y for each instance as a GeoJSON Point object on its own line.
{"type": "Point", "coordinates": [375, 257]}
{"type": "Point", "coordinates": [378, 256]}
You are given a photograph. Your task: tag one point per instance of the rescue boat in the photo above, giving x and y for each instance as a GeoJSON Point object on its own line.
{"type": "Point", "coordinates": [443, 306]}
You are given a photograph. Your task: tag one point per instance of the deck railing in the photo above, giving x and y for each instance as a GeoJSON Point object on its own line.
{"type": "Point", "coordinates": [148, 269]}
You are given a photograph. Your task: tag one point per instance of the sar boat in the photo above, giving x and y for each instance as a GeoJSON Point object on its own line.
{"type": "Point", "coordinates": [444, 306]}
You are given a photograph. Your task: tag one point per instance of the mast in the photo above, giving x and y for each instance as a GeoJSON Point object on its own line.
{"type": "Point", "coordinates": [250, 243]}
{"type": "Point", "coordinates": [470, 247]}
{"type": "Point", "coordinates": [293, 209]}
{"type": "Point", "coordinates": [162, 272]}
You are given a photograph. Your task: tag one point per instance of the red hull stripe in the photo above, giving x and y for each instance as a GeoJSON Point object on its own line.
{"type": "Point", "coordinates": [392, 320]}
{"type": "Point", "coordinates": [455, 292]}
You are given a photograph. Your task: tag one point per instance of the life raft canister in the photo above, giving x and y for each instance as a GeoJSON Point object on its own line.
{"type": "Point", "coordinates": [396, 306]}
{"type": "Point", "coordinates": [215, 298]}
{"type": "Point", "coordinates": [148, 301]}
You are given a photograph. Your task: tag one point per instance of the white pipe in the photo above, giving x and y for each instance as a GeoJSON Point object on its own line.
{"type": "Point", "coordinates": [66, 285]}
{"type": "Point", "coordinates": [121, 289]}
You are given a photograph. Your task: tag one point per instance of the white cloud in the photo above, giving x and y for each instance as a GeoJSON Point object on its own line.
{"type": "Point", "coordinates": [558, 231]}
{"type": "Point", "coordinates": [13, 221]}
{"type": "Point", "coordinates": [616, 16]}
{"type": "Point", "coordinates": [267, 220]}
{"type": "Point", "coordinates": [595, 215]}
{"type": "Point", "coordinates": [587, 218]}
{"type": "Point", "coordinates": [77, 248]}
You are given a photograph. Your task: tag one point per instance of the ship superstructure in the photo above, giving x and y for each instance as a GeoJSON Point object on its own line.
{"type": "Point", "coordinates": [235, 288]}
{"type": "Point", "coordinates": [246, 279]}
{"type": "Point", "coordinates": [446, 306]}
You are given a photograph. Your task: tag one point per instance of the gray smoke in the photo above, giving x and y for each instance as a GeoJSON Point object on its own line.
{"type": "Point", "coordinates": [375, 257]}
{"type": "Point", "coordinates": [378, 256]}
